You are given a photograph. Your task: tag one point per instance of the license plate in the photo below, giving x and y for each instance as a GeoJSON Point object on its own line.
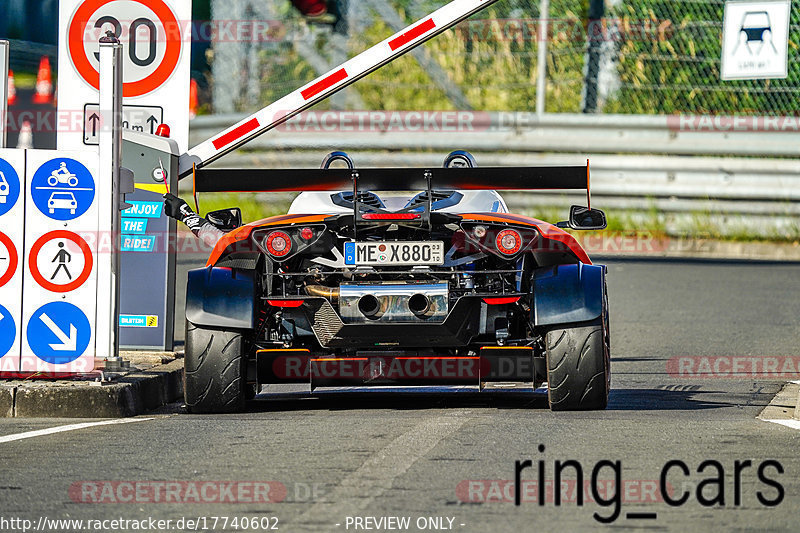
{"type": "Point", "coordinates": [393, 253]}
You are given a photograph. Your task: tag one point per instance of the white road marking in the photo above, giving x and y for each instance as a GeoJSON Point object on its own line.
{"type": "Point", "coordinates": [69, 427]}
{"type": "Point", "coordinates": [377, 474]}
{"type": "Point", "coordinates": [788, 422]}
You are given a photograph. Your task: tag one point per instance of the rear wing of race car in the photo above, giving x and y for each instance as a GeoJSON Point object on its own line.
{"type": "Point", "coordinates": [393, 179]}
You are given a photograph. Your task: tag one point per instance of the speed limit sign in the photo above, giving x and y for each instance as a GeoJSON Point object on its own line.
{"type": "Point", "coordinates": [156, 40]}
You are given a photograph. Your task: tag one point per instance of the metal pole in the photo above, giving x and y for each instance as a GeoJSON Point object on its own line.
{"type": "Point", "coordinates": [3, 92]}
{"type": "Point", "coordinates": [594, 37]}
{"type": "Point", "coordinates": [541, 81]}
{"type": "Point", "coordinates": [108, 194]}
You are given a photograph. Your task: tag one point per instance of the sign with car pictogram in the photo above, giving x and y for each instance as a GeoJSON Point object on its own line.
{"type": "Point", "coordinates": [63, 189]}
{"type": "Point", "coordinates": [156, 38]}
{"type": "Point", "coordinates": [755, 40]}
{"type": "Point", "coordinates": [12, 213]}
{"type": "Point", "coordinates": [62, 240]}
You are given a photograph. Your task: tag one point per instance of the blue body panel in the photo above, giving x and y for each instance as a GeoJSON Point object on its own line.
{"type": "Point", "coordinates": [568, 293]}
{"type": "Point", "coordinates": [221, 297]}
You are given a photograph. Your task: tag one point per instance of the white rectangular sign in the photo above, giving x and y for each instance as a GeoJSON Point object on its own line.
{"type": "Point", "coordinates": [755, 40]}
{"type": "Point", "coordinates": [12, 215]}
{"type": "Point", "coordinates": [144, 119]}
{"type": "Point", "coordinates": [156, 36]}
{"type": "Point", "coordinates": [60, 276]}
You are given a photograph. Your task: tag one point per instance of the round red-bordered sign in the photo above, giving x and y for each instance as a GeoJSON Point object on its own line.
{"type": "Point", "coordinates": [12, 259]}
{"type": "Point", "coordinates": [77, 51]}
{"type": "Point", "coordinates": [88, 261]}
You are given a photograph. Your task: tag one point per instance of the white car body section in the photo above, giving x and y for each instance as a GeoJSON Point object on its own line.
{"type": "Point", "coordinates": [481, 201]}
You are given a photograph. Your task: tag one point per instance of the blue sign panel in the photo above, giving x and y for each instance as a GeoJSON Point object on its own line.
{"type": "Point", "coordinates": [145, 243]}
{"type": "Point", "coordinates": [8, 331]}
{"type": "Point", "coordinates": [9, 187]}
{"type": "Point", "coordinates": [138, 321]}
{"type": "Point", "coordinates": [58, 333]}
{"type": "Point", "coordinates": [62, 189]}
{"type": "Point", "coordinates": [134, 226]}
{"type": "Point", "coordinates": [144, 209]}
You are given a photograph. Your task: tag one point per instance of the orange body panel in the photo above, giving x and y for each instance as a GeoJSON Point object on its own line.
{"type": "Point", "coordinates": [243, 233]}
{"type": "Point", "coordinates": [548, 231]}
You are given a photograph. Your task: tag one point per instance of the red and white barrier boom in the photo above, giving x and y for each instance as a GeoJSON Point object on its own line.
{"type": "Point", "coordinates": [330, 83]}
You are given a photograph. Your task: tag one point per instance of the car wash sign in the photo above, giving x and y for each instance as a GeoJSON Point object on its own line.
{"type": "Point", "coordinates": [755, 40]}
{"type": "Point", "coordinates": [156, 40]}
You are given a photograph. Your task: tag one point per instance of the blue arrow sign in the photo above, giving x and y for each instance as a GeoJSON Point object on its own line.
{"type": "Point", "coordinates": [8, 331]}
{"type": "Point", "coordinates": [58, 333]}
{"type": "Point", "coordinates": [62, 189]}
{"type": "Point", "coordinates": [9, 187]}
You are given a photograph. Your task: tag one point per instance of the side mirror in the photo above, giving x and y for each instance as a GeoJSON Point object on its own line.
{"type": "Point", "coordinates": [225, 219]}
{"type": "Point", "coordinates": [584, 218]}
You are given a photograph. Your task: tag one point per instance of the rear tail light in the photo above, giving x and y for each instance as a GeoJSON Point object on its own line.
{"type": "Point", "coordinates": [285, 303]}
{"type": "Point", "coordinates": [390, 216]}
{"type": "Point", "coordinates": [502, 300]}
{"type": "Point", "coordinates": [278, 244]}
{"type": "Point", "coordinates": [509, 242]}
{"type": "Point", "coordinates": [307, 234]}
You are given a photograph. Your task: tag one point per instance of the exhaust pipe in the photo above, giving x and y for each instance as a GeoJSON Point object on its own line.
{"type": "Point", "coordinates": [420, 305]}
{"type": "Point", "coordinates": [369, 306]}
{"type": "Point", "coordinates": [331, 293]}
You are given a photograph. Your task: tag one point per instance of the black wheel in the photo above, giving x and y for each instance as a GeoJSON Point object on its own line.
{"type": "Point", "coordinates": [578, 366]}
{"type": "Point", "coordinates": [215, 371]}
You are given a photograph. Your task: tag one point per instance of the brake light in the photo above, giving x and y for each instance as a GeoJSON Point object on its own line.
{"type": "Point", "coordinates": [285, 303]}
{"type": "Point", "coordinates": [502, 300]}
{"type": "Point", "coordinates": [278, 244]}
{"type": "Point", "coordinates": [390, 216]}
{"type": "Point", "coordinates": [508, 241]}
{"type": "Point", "coordinates": [307, 234]}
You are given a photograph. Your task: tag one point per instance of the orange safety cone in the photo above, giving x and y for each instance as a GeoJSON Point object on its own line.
{"type": "Point", "coordinates": [193, 99]}
{"type": "Point", "coordinates": [44, 83]}
{"type": "Point", "coordinates": [12, 89]}
{"type": "Point", "coordinates": [25, 140]}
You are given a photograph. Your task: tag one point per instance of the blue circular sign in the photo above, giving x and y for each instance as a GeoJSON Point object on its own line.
{"type": "Point", "coordinates": [58, 333]}
{"type": "Point", "coordinates": [8, 331]}
{"type": "Point", "coordinates": [62, 189]}
{"type": "Point", "coordinates": [9, 187]}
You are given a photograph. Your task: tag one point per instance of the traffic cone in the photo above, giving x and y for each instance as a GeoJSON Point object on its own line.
{"type": "Point", "coordinates": [44, 83]}
{"type": "Point", "coordinates": [12, 89]}
{"type": "Point", "coordinates": [25, 140]}
{"type": "Point", "coordinates": [193, 99]}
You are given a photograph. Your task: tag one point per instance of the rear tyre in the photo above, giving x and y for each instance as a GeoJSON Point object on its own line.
{"type": "Point", "coordinates": [215, 371]}
{"type": "Point", "coordinates": [578, 364]}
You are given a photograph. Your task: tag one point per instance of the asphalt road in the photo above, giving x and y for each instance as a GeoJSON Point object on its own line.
{"type": "Point", "coordinates": [443, 455]}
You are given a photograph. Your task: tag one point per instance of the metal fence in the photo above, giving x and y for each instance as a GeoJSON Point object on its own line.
{"type": "Point", "coordinates": [632, 57]}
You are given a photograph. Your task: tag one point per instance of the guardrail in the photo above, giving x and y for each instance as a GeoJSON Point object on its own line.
{"type": "Point", "coordinates": [737, 175]}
